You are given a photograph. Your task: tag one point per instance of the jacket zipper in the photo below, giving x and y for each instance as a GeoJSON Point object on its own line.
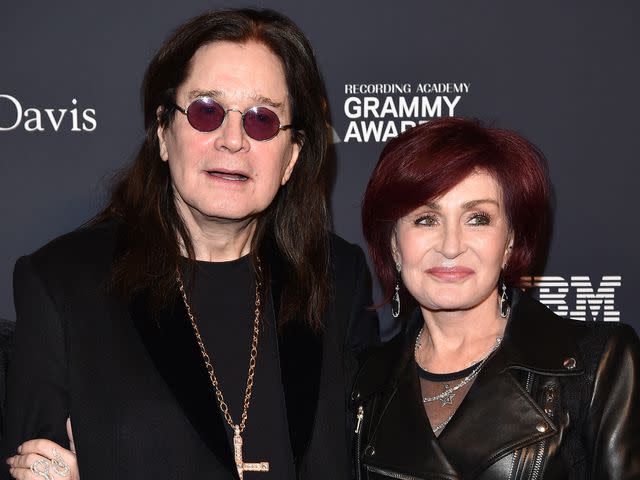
{"type": "Point", "coordinates": [359, 419]}
{"type": "Point", "coordinates": [513, 463]}
{"type": "Point", "coordinates": [549, 402]}
{"type": "Point", "coordinates": [527, 385]}
{"type": "Point", "coordinates": [535, 473]}
{"type": "Point", "coordinates": [390, 474]}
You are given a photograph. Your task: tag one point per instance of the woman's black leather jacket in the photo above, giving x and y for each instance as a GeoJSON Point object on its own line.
{"type": "Point", "coordinates": [560, 399]}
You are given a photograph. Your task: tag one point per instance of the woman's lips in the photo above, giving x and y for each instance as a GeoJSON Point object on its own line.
{"type": "Point", "coordinates": [450, 274]}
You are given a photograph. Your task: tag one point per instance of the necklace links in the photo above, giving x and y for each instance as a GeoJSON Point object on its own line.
{"type": "Point", "coordinates": [224, 408]}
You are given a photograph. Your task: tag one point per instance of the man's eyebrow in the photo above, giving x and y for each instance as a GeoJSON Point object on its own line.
{"type": "Point", "coordinates": [204, 93]}
{"type": "Point", "coordinates": [262, 100]}
{"type": "Point", "coordinates": [216, 94]}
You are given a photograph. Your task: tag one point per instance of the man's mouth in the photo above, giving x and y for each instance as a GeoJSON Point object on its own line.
{"type": "Point", "coordinates": [235, 177]}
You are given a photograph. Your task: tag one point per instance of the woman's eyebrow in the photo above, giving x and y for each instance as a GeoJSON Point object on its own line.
{"type": "Point", "coordinates": [474, 203]}
{"type": "Point", "coordinates": [465, 205]}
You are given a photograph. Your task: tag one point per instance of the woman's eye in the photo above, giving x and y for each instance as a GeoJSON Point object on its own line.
{"type": "Point", "coordinates": [428, 220]}
{"type": "Point", "coordinates": [479, 219]}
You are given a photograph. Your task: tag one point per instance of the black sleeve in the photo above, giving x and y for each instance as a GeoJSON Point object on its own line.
{"type": "Point", "coordinates": [37, 390]}
{"type": "Point", "coordinates": [363, 329]}
{"type": "Point", "coordinates": [613, 423]}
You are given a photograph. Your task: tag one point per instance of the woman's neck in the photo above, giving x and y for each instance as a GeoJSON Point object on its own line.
{"type": "Point", "coordinates": [453, 340]}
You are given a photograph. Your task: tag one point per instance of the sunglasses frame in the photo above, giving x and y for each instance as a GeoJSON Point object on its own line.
{"type": "Point", "coordinates": [185, 111]}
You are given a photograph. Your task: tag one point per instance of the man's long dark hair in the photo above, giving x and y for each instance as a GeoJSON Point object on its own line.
{"type": "Point", "coordinates": [297, 221]}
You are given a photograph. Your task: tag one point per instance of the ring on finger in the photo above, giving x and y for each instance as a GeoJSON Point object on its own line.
{"type": "Point", "coordinates": [41, 468]}
{"type": "Point", "coordinates": [60, 467]}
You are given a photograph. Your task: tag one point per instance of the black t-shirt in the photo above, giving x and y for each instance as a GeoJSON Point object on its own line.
{"type": "Point", "coordinates": [223, 303]}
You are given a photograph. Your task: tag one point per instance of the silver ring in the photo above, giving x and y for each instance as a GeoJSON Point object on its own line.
{"type": "Point", "coordinates": [41, 468]}
{"type": "Point", "coordinates": [60, 467]}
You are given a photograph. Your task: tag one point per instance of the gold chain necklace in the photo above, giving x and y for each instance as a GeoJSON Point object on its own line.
{"type": "Point", "coordinates": [241, 465]}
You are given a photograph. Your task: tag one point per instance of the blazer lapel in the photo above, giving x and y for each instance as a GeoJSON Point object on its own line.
{"type": "Point", "coordinates": [170, 341]}
{"type": "Point", "coordinates": [300, 351]}
{"type": "Point", "coordinates": [300, 366]}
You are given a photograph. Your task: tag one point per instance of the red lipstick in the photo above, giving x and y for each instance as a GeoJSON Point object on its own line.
{"type": "Point", "coordinates": [450, 274]}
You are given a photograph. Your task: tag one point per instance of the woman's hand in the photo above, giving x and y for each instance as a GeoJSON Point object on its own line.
{"type": "Point", "coordinates": [41, 458]}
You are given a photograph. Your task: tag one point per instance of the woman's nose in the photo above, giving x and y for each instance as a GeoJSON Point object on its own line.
{"type": "Point", "coordinates": [451, 244]}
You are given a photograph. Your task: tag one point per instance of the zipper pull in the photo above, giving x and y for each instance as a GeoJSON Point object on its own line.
{"type": "Point", "coordinates": [359, 416]}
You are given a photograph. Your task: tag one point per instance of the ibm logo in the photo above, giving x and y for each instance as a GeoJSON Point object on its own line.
{"type": "Point", "coordinates": [577, 298]}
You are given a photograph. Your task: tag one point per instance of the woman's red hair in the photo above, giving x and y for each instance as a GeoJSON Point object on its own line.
{"type": "Point", "coordinates": [427, 161]}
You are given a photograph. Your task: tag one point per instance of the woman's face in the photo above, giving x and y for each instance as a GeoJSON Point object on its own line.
{"type": "Point", "coordinates": [225, 175]}
{"type": "Point", "coordinates": [452, 249]}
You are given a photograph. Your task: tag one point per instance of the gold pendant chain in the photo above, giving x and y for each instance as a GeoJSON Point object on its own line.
{"type": "Point", "coordinates": [207, 359]}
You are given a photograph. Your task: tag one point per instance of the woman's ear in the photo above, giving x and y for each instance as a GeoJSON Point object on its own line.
{"type": "Point", "coordinates": [394, 248]}
{"type": "Point", "coordinates": [508, 249]}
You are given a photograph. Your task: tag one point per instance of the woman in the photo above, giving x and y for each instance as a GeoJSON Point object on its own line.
{"type": "Point", "coordinates": [484, 382]}
{"type": "Point", "coordinates": [205, 324]}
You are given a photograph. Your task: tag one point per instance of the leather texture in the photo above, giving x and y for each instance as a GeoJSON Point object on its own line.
{"type": "Point", "coordinates": [560, 399]}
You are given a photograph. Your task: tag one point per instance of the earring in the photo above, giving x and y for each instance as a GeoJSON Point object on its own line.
{"type": "Point", "coordinates": [503, 300]}
{"type": "Point", "coordinates": [395, 301]}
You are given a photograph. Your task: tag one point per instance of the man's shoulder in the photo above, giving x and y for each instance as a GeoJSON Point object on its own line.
{"type": "Point", "coordinates": [342, 249]}
{"type": "Point", "coordinates": [88, 247]}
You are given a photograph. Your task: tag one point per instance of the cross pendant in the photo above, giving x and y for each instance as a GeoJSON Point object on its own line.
{"type": "Point", "coordinates": [240, 463]}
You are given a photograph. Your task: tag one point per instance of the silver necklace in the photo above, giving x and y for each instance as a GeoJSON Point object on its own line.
{"type": "Point", "coordinates": [440, 426]}
{"type": "Point", "coordinates": [446, 397]}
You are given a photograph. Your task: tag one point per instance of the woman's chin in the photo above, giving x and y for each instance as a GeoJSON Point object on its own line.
{"type": "Point", "coordinates": [451, 303]}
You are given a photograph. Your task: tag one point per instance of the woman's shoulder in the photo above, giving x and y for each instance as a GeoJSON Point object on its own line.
{"type": "Point", "coordinates": [535, 325]}
{"type": "Point", "coordinates": [606, 342]}
{"type": "Point", "coordinates": [549, 321]}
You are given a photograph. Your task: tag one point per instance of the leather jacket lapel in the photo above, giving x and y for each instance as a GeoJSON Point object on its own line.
{"type": "Point", "coordinates": [496, 417]}
{"type": "Point", "coordinates": [497, 411]}
{"type": "Point", "coordinates": [169, 339]}
{"type": "Point", "coordinates": [404, 422]}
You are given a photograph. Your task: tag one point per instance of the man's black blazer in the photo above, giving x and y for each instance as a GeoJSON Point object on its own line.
{"type": "Point", "coordinates": [139, 396]}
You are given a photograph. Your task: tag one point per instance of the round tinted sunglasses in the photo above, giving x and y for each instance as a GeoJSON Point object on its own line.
{"type": "Point", "coordinates": [206, 115]}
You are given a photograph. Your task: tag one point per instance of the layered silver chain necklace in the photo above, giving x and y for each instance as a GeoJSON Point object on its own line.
{"type": "Point", "coordinates": [446, 397]}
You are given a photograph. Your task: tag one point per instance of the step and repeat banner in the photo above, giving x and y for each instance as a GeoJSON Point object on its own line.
{"type": "Point", "coordinates": [563, 74]}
